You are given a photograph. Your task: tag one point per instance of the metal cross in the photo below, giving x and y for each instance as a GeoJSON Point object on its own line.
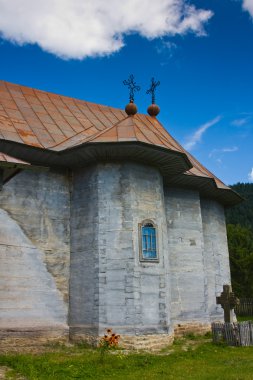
{"type": "Point", "coordinates": [152, 89]}
{"type": "Point", "coordinates": [228, 301]}
{"type": "Point", "coordinates": [132, 87]}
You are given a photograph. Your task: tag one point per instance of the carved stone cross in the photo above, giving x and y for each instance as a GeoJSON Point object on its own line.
{"type": "Point", "coordinates": [228, 301]}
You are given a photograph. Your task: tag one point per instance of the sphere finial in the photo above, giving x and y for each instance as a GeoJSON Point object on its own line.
{"type": "Point", "coordinates": [131, 108]}
{"type": "Point", "coordinates": [153, 110]}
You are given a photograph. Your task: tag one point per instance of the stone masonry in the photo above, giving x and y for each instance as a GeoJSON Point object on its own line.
{"type": "Point", "coordinates": [69, 255]}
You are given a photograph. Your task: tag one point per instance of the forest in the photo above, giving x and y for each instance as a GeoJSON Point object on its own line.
{"type": "Point", "coordinates": [239, 221]}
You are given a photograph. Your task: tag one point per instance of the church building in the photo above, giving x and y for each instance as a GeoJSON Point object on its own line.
{"type": "Point", "coordinates": [105, 222]}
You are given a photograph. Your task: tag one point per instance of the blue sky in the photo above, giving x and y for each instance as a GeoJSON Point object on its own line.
{"type": "Point", "coordinates": [201, 51]}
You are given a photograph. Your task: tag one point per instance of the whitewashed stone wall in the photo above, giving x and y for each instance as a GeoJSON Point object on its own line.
{"type": "Point", "coordinates": [40, 205]}
{"type": "Point", "coordinates": [34, 251]}
{"type": "Point", "coordinates": [216, 256]}
{"type": "Point", "coordinates": [84, 262]}
{"type": "Point", "coordinates": [85, 227]}
{"type": "Point", "coordinates": [109, 286]}
{"type": "Point", "coordinates": [186, 254]}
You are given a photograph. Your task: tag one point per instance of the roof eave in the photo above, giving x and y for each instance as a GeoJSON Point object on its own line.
{"type": "Point", "coordinates": [172, 164]}
{"type": "Point", "coordinates": [207, 188]}
{"type": "Point", "coordinates": [167, 160]}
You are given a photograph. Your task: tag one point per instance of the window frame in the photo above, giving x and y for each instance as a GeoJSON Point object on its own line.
{"type": "Point", "coordinates": [141, 257]}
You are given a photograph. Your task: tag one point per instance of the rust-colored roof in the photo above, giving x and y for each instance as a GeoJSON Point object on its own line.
{"type": "Point", "coordinates": [199, 170]}
{"type": "Point", "coordinates": [5, 158]}
{"type": "Point", "coordinates": [45, 120]}
{"type": "Point", "coordinates": [9, 166]}
{"type": "Point", "coordinates": [57, 124]}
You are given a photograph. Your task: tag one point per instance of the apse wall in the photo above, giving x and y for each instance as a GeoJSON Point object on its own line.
{"type": "Point", "coordinates": [108, 204]}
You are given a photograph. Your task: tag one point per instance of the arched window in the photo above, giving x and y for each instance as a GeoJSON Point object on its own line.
{"type": "Point", "coordinates": [148, 241]}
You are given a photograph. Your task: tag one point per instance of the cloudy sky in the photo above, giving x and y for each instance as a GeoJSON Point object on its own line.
{"type": "Point", "coordinates": [201, 51]}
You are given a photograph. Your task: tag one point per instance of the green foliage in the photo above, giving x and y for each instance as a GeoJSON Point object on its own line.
{"type": "Point", "coordinates": [240, 244]}
{"type": "Point", "coordinates": [192, 361]}
{"type": "Point", "coordinates": [244, 318]}
{"type": "Point", "coordinates": [243, 213]}
{"type": "Point", "coordinates": [240, 241]}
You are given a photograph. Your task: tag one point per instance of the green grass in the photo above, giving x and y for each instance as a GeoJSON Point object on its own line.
{"type": "Point", "coordinates": [187, 359]}
{"type": "Point", "coordinates": [242, 319]}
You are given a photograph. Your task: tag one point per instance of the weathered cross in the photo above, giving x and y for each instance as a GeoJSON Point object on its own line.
{"type": "Point", "coordinates": [152, 89]}
{"type": "Point", "coordinates": [228, 301]}
{"type": "Point", "coordinates": [132, 86]}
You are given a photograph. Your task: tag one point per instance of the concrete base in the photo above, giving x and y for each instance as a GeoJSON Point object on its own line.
{"type": "Point", "coordinates": [149, 342]}
{"type": "Point", "coordinates": [146, 342]}
{"type": "Point", "coordinates": [13, 339]}
{"type": "Point", "coordinates": [191, 328]}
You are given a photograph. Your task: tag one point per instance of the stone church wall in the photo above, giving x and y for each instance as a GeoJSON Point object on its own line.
{"type": "Point", "coordinates": [216, 256]}
{"type": "Point", "coordinates": [82, 232]}
{"type": "Point", "coordinates": [109, 285]}
{"type": "Point", "coordinates": [84, 262]}
{"type": "Point", "coordinates": [186, 254]}
{"type": "Point", "coordinates": [34, 250]}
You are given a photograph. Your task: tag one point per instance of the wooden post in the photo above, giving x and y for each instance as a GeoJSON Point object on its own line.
{"type": "Point", "coordinates": [228, 301]}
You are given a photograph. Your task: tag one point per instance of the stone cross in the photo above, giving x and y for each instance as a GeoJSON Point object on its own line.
{"type": "Point", "coordinates": [228, 301]}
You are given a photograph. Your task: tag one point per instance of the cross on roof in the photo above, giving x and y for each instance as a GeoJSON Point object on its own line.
{"type": "Point", "coordinates": [152, 89]}
{"type": "Point", "coordinates": [228, 301]}
{"type": "Point", "coordinates": [132, 87]}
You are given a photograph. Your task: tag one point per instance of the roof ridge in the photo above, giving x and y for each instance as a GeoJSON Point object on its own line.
{"type": "Point", "coordinates": [154, 130]}
{"type": "Point", "coordinates": [108, 129]}
{"type": "Point", "coordinates": [89, 139]}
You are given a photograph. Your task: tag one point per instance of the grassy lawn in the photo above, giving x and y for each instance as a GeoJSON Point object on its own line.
{"type": "Point", "coordinates": [187, 359]}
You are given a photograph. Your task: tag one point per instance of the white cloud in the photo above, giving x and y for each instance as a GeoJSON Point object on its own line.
{"type": "Point", "coordinates": [82, 28]}
{"type": "Point", "coordinates": [196, 137]}
{"type": "Point", "coordinates": [218, 154]}
{"type": "Point", "coordinates": [222, 150]}
{"type": "Point", "coordinates": [229, 150]}
{"type": "Point", "coordinates": [250, 175]}
{"type": "Point", "coordinates": [240, 122]}
{"type": "Point", "coordinates": [166, 47]}
{"type": "Point", "coordinates": [248, 6]}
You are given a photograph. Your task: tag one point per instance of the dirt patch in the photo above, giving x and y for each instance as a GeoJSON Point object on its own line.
{"type": "Point", "coordinates": [3, 372]}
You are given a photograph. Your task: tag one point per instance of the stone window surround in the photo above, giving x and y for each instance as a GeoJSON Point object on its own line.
{"type": "Point", "coordinates": [141, 258]}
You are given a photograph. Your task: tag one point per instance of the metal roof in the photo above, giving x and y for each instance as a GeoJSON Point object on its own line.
{"type": "Point", "coordinates": [53, 130]}
{"type": "Point", "coordinates": [6, 160]}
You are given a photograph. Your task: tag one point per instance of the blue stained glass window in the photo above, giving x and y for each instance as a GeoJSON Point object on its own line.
{"type": "Point", "coordinates": [148, 236]}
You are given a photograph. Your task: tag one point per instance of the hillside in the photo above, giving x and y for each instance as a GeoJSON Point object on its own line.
{"type": "Point", "coordinates": [243, 213]}
{"type": "Point", "coordinates": [240, 241]}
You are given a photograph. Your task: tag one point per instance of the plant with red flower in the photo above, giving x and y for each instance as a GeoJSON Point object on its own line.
{"type": "Point", "coordinates": [109, 341]}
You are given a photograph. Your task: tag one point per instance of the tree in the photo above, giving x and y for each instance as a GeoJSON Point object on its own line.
{"type": "Point", "coordinates": [243, 213]}
{"type": "Point", "coordinates": [240, 244]}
